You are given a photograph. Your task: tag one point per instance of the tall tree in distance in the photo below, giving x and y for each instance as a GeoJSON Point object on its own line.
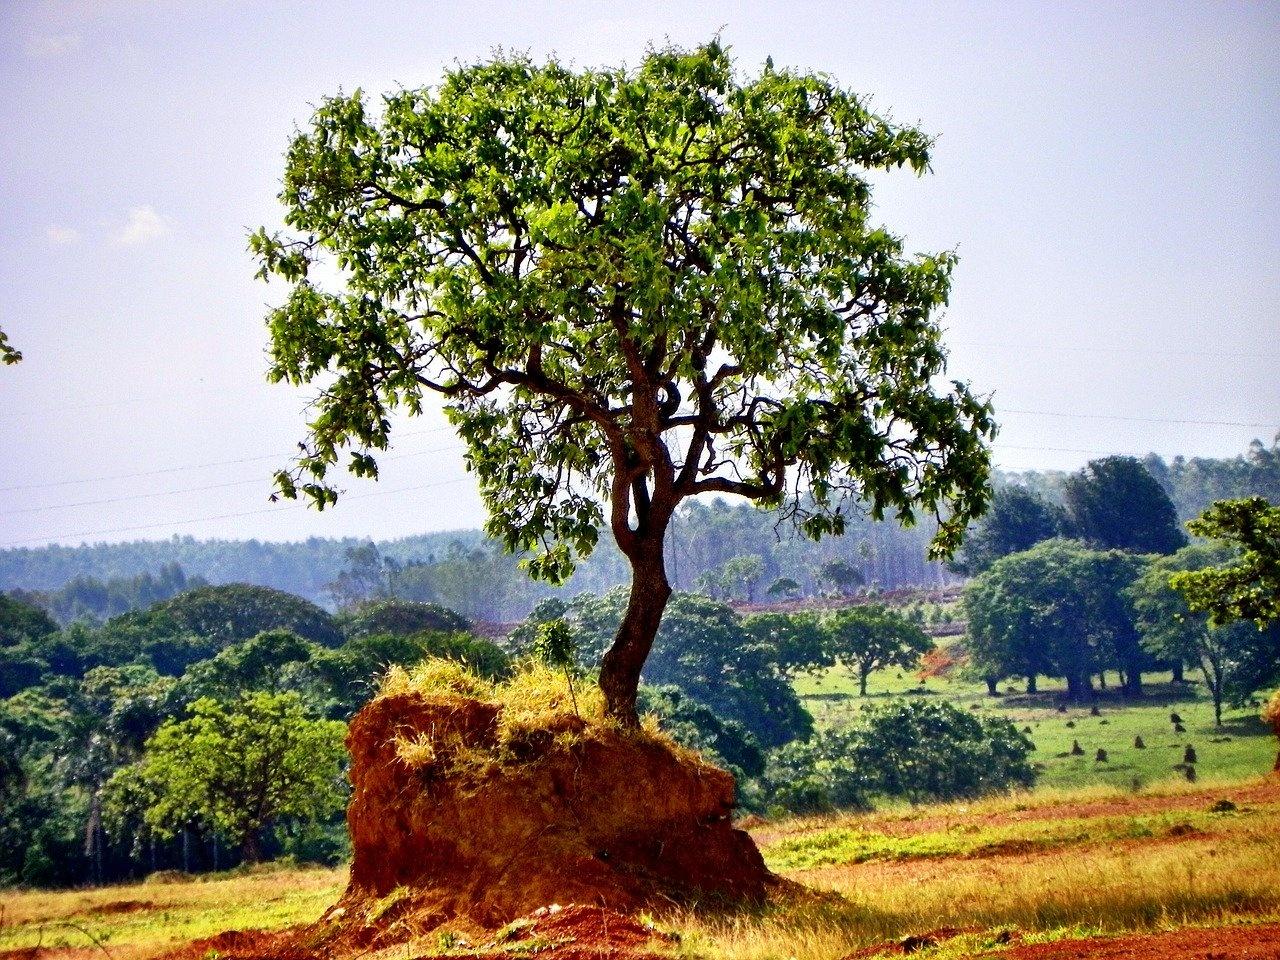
{"type": "Point", "coordinates": [1019, 518]}
{"type": "Point", "coordinates": [1114, 503]}
{"type": "Point", "coordinates": [631, 287]}
{"type": "Point", "coordinates": [872, 637]}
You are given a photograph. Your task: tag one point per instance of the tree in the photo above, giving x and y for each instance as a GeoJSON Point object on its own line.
{"type": "Point", "coordinates": [1058, 609]}
{"type": "Point", "coordinates": [744, 571]}
{"type": "Point", "coordinates": [21, 621]}
{"type": "Point", "coordinates": [401, 617]}
{"type": "Point", "coordinates": [1249, 587]}
{"type": "Point", "coordinates": [1171, 630]}
{"type": "Point", "coordinates": [784, 587]}
{"type": "Point", "coordinates": [872, 637]}
{"type": "Point", "coordinates": [1019, 518]}
{"type": "Point", "coordinates": [631, 287]}
{"type": "Point", "coordinates": [239, 767]}
{"type": "Point", "coordinates": [841, 574]}
{"type": "Point", "coordinates": [1115, 503]}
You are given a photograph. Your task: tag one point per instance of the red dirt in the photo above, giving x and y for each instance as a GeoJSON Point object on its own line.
{"type": "Point", "coordinates": [1261, 942]}
{"type": "Point", "coordinates": [1255, 942]}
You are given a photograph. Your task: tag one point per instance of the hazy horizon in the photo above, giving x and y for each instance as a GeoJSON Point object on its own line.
{"type": "Point", "coordinates": [1108, 175]}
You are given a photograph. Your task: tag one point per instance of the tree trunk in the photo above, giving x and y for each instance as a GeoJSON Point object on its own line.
{"type": "Point", "coordinates": [991, 686]}
{"type": "Point", "coordinates": [1031, 683]}
{"type": "Point", "coordinates": [1177, 672]}
{"type": "Point", "coordinates": [863, 673]}
{"type": "Point", "coordinates": [250, 848]}
{"type": "Point", "coordinates": [622, 663]}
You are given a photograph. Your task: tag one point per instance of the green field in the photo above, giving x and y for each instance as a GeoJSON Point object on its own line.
{"type": "Point", "coordinates": [1242, 748]}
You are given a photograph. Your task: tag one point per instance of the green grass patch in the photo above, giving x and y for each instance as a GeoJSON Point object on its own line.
{"type": "Point", "coordinates": [847, 845]}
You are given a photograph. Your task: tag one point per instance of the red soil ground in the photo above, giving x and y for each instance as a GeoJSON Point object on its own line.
{"type": "Point", "coordinates": [1257, 942]}
{"type": "Point", "coordinates": [1257, 794]}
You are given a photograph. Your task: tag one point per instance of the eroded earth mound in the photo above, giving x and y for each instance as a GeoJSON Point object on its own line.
{"type": "Point", "coordinates": [487, 822]}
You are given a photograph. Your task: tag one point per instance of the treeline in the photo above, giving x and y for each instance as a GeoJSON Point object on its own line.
{"type": "Point", "coordinates": [712, 546]}
{"type": "Point", "coordinates": [1086, 586]}
{"type": "Point", "coordinates": [207, 730]}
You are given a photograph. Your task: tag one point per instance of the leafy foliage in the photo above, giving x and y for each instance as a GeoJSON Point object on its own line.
{"type": "Point", "coordinates": [399, 617]}
{"type": "Point", "coordinates": [239, 767]}
{"type": "Point", "coordinates": [1058, 609]}
{"type": "Point", "coordinates": [1249, 587]}
{"type": "Point", "coordinates": [7, 352]}
{"type": "Point", "coordinates": [704, 650]}
{"type": "Point", "coordinates": [1018, 519]}
{"type": "Point", "coordinates": [872, 637]}
{"type": "Point", "coordinates": [1170, 630]}
{"type": "Point", "coordinates": [1115, 503]}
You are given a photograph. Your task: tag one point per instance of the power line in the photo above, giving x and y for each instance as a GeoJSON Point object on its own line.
{"type": "Point", "coordinates": [1058, 347]}
{"type": "Point", "coordinates": [1116, 416]}
{"type": "Point", "coordinates": [221, 516]}
{"type": "Point", "coordinates": [212, 486]}
{"type": "Point", "coordinates": [192, 466]}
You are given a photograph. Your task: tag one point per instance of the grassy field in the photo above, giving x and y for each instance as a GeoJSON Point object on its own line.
{"type": "Point", "coordinates": [1039, 866]}
{"type": "Point", "coordinates": [1243, 747]}
{"type": "Point", "coordinates": [1117, 846]}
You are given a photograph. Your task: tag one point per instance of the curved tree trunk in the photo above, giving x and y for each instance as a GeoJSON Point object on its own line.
{"type": "Point", "coordinates": [622, 663]}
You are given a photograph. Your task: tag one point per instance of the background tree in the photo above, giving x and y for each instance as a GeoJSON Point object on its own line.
{"type": "Point", "coordinates": [842, 575]}
{"type": "Point", "coordinates": [706, 650]}
{"type": "Point", "coordinates": [744, 572]}
{"type": "Point", "coordinates": [242, 766]}
{"type": "Point", "coordinates": [1171, 630]}
{"type": "Point", "coordinates": [1249, 587]}
{"type": "Point", "coordinates": [783, 587]}
{"type": "Point", "coordinates": [1019, 518]}
{"type": "Point", "coordinates": [1115, 503]}
{"type": "Point", "coordinates": [1060, 609]}
{"type": "Point", "coordinates": [631, 287]}
{"type": "Point", "coordinates": [872, 637]}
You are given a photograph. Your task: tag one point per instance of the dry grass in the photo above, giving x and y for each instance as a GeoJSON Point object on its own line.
{"type": "Point", "coordinates": [140, 920]}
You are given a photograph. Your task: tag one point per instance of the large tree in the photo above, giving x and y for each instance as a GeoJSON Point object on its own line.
{"type": "Point", "coordinates": [1114, 503]}
{"type": "Point", "coordinates": [631, 287]}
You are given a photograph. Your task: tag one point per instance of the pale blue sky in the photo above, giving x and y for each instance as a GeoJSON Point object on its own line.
{"type": "Point", "coordinates": [1108, 173]}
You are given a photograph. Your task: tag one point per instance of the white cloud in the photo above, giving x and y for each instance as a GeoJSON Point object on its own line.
{"type": "Point", "coordinates": [142, 224]}
{"type": "Point", "coordinates": [53, 45]}
{"type": "Point", "coordinates": [62, 235]}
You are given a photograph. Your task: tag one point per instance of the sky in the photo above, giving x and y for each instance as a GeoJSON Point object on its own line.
{"type": "Point", "coordinates": [1108, 174]}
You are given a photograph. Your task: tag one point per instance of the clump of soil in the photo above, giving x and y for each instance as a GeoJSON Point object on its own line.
{"type": "Point", "coordinates": [469, 810]}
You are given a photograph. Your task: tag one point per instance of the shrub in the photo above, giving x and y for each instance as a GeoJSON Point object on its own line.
{"type": "Point", "coordinates": [912, 749]}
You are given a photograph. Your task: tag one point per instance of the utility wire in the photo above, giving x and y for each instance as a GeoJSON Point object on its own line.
{"type": "Point", "coordinates": [223, 516]}
{"type": "Point", "coordinates": [1116, 416]}
{"type": "Point", "coordinates": [192, 466]}
{"type": "Point", "coordinates": [212, 486]}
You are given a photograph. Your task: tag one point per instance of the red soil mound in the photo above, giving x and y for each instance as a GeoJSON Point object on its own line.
{"type": "Point", "coordinates": [603, 817]}
{"type": "Point", "coordinates": [486, 826]}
